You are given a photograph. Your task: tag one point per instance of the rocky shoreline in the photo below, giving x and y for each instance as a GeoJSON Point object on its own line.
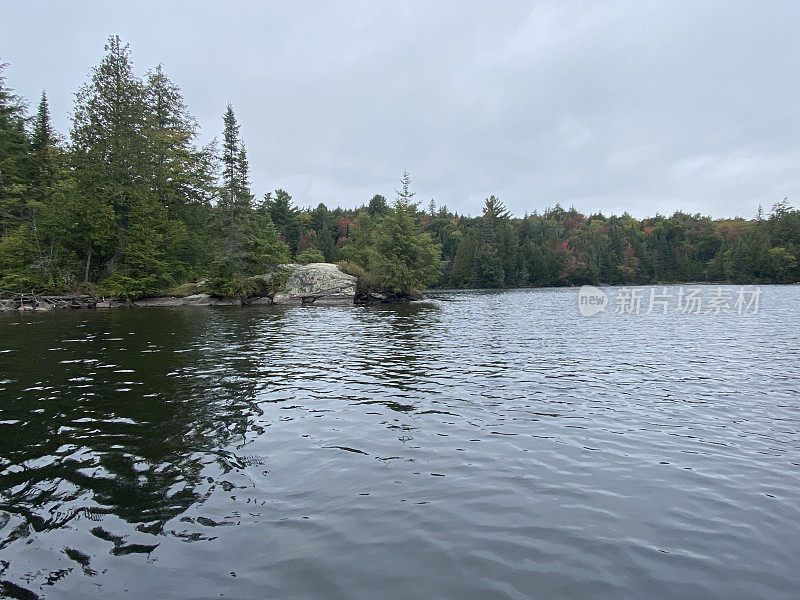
{"type": "Point", "coordinates": [317, 284]}
{"type": "Point", "coordinates": [25, 302]}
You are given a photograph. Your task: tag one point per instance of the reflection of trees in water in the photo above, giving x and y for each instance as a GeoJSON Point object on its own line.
{"type": "Point", "coordinates": [77, 445]}
{"type": "Point", "coordinates": [85, 446]}
{"type": "Point", "coordinates": [409, 320]}
{"type": "Point", "coordinates": [402, 355]}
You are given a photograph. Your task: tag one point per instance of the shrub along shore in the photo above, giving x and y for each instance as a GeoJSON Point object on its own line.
{"type": "Point", "coordinates": [319, 284]}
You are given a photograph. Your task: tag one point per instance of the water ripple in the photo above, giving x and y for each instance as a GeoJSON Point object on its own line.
{"type": "Point", "coordinates": [478, 444]}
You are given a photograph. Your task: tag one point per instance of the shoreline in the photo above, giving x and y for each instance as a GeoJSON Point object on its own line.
{"type": "Point", "coordinates": [27, 302]}
{"type": "Point", "coordinates": [36, 303]}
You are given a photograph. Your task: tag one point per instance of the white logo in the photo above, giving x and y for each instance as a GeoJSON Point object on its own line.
{"type": "Point", "coordinates": [591, 300]}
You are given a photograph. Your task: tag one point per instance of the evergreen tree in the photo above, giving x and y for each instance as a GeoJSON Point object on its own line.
{"type": "Point", "coordinates": [284, 216]}
{"type": "Point", "coordinates": [109, 150]}
{"type": "Point", "coordinates": [16, 166]}
{"type": "Point", "coordinates": [43, 134]}
{"type": "Point", "coordinates": [181, 172]}
{"type": "Point", "coordinates": [402, 259]}
{"type": "Point", "coordinates": [252, 244]}
{"type": "Point", "coordinates": [378, 206]}
{"type": "Point", "coordinates": [183, 176]}
{"type": "Point", "coordinates": [107, 135]}
{"type": "Point", "coordinates": [405, 195]}
{"type": "Point", "coordinates": [235, 183]}
{"type": "Point", "coordinates": [495, 246]}
{"type": "Point", "coordinates": [133, 160]}
{"type": "Point", "coordinates": [234, 214]}
{"type": "Point", "coordinates": [43, 142]}
{"type": "Point", "coordinates": [322, 225]}
{"type": "Point", "coordinates": [463, 274]}
{"type": "Point", "coordinates": [243, 180]}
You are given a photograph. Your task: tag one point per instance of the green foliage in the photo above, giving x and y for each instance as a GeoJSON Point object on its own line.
{"type": "Point", "coordinates": [16, 164]}
{"type": "Point", "coordinates": [378, 206]}
{"type": "Point", "coordinates": [262, 248]}
{"type": "Point", "coordinates": [401, 258]}
{"type": "Point", "coordinates": [233, 287]}
{"type": "Point", "coordinates": [311, 255]}
{"type": "Point", "coordinates": [357, 271]}
{"type": "Point", "coordinates": [351, 268]}
{"type": "Point", "coordinates": [284, 216]}
{"type": "Point", "coordinates": [16, 270]}
{"type": "Point", "coordinates": [187, 288]}
{"type": "Point", "coordinates": [236, 286]}
{"type": "Point", "coordinates": [464, 273]}
{"type": "Point", "coordinates": [131, 288]}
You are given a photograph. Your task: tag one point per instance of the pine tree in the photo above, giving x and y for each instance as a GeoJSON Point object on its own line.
{"type": "Point", "coordinates": [231, 158]}
{"type": "Point", "coordinates": [181, 172]}
{"type": "Point", "coordinates": [406, 195]}
{"type": "Point", "coordinates": [43, 134]}
{"type": "Point", "coordinates": [109, 150]}
{"type": "Point", "coordinates": [234, 194]}
{"type": "Point", "coordinates": [243, 197]}
{"type": "Point", "coordinates": [129, 149]}
{"type": "Point", "coordinates": [377, 206]}
{"type": "Point", "coordinates": [107, 133]}
{"type": "Point", "coordinates": [463, 273]}
{"type": "Point", "coordinates": [183, 176]}
{"type": "Point", "coordinates": [252, 244]}
{"type": "Point", "coordinates": [284, 216]}
{"type": "Point", "coordinates": [16, 166]}
{"type": "Point", "coordinates": [43, 141]}
{"type": "Point", "coordinates": [403, 260]}
{"type": "Point", "coordinates": [495, 266]}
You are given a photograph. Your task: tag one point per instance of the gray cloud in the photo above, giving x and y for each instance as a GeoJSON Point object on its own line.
{"type": "Point", "coordinates": [638, 107]}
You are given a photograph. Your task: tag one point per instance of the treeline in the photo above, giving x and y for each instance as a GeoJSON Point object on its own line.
{"type": "Point", "coordinates": [129, 205]}
{"type": "Point", "coordinates": [564, 247]}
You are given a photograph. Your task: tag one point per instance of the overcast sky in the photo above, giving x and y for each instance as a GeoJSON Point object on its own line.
{"type": "Point", "coordinates": [644, 107]}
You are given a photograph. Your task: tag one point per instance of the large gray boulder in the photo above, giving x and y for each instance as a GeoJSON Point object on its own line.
{"type": "Point", "coordinates": [317, 283]}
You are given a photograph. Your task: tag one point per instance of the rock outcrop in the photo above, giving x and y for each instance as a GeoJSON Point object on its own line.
{"type": "Point", "coordinates": [40, 303]}
{"type": "Point", "coordinates": [317, 284]}
{"type": "Point", "coordinates": [170, 301]}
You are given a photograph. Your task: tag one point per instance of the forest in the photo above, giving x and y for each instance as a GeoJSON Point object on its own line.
{"type": "Point", "coordinates": [128, 205]}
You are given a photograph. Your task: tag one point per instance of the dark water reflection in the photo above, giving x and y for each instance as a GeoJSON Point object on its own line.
{"type": "Point", "coordinates": [491, 445]}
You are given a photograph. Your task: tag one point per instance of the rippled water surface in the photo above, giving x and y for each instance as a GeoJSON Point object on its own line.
{"type": "Point", "coordinates": [476, 445]}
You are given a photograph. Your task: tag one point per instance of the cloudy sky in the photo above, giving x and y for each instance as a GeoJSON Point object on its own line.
{"type": "Point", "coordinates": [644, 107]}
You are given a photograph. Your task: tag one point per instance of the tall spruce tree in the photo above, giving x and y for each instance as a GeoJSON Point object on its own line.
{"type": "Point", "coordinates": [43, 135]}
{"type": "Point", "coordinates": [183, 175]}
{"type": "Point", "coordinates": [109, 153]}
{"type": "Point", "coordinates": [16, 166]}
{"type": "Point", "coordinates": [43, 141]}
{"type": "Point", "coordinates": [234, 163]}
{"type": "Point", "coordinates": [252, 245]}
{"type": "Point", "coordinates": [284, 216]}
{"type": "Point", "coordinates": [129, 144]}
{"type": "Point", "coordinates": [171, 131]}
{"type": "Point", "coordinates": [402, 259]}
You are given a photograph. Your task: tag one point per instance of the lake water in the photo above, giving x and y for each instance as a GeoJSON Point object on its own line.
{"type": "Point", "coordinates": [475, 445]}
